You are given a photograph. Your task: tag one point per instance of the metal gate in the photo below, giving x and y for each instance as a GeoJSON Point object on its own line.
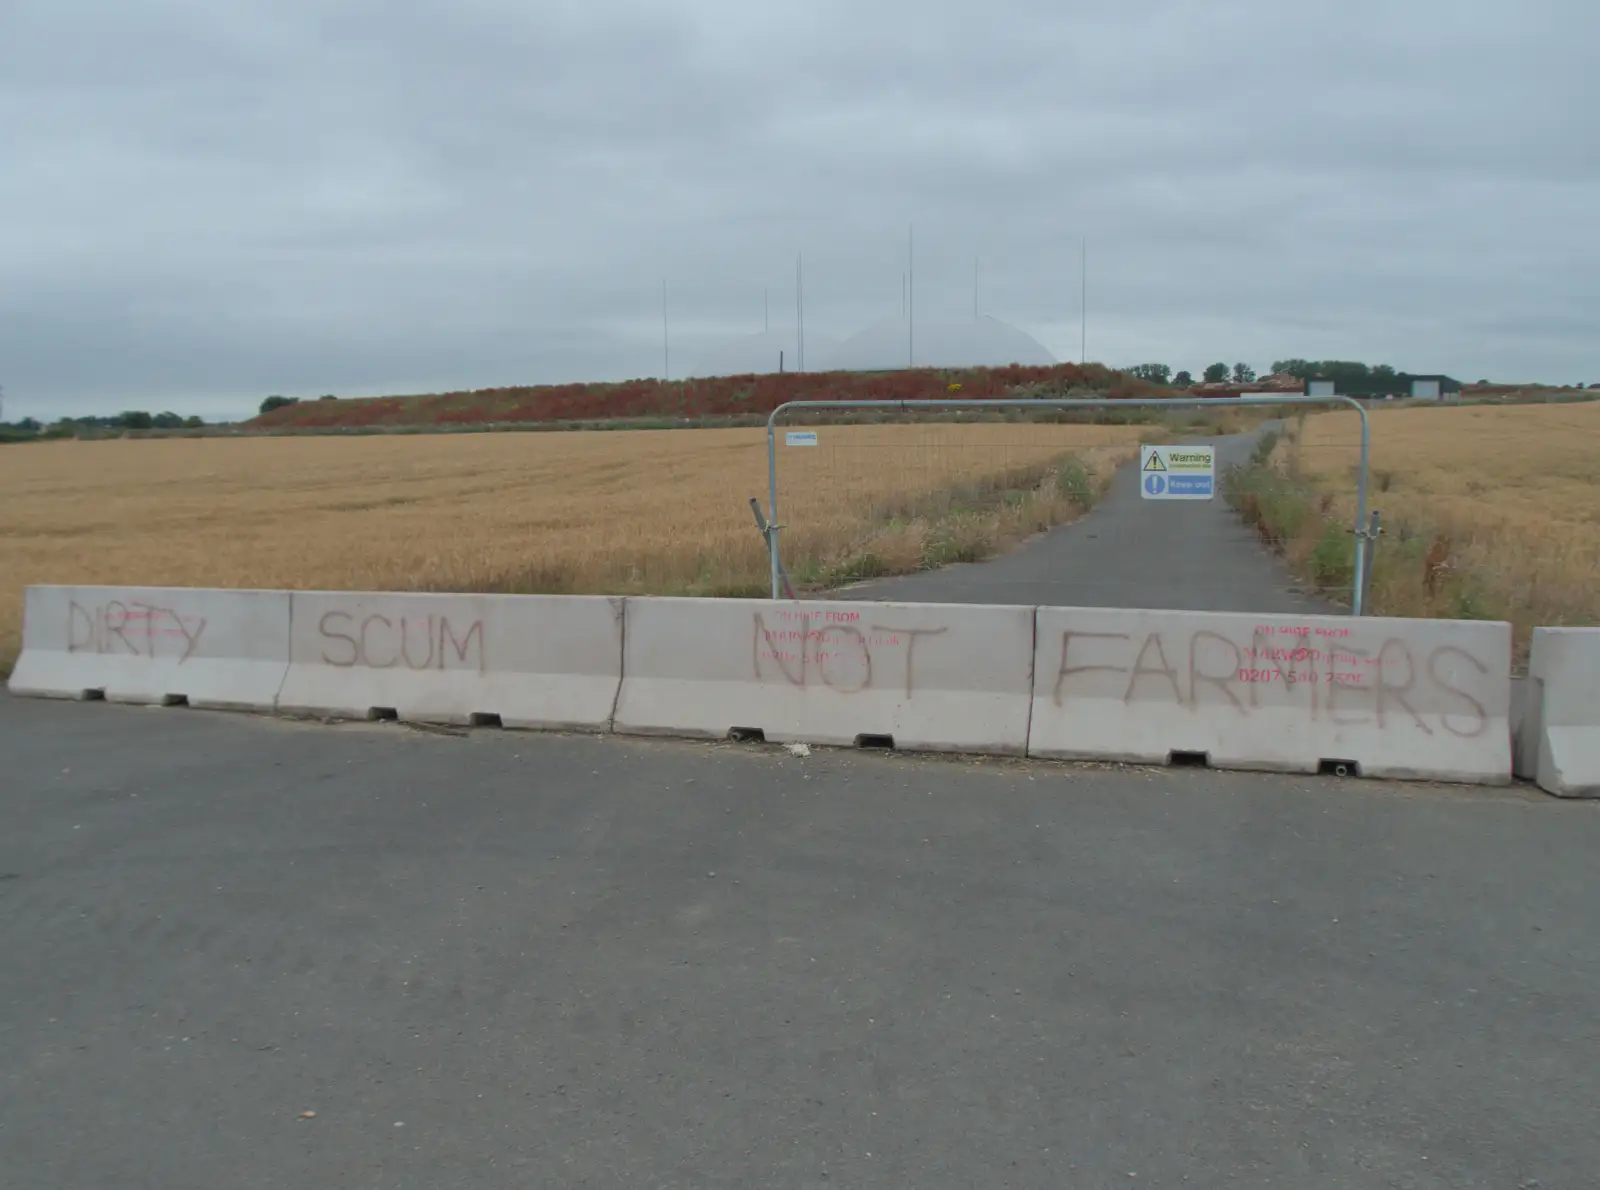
{"type": "Point", "coordinates": [1364, 532]}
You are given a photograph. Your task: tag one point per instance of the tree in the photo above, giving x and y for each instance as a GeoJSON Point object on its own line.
{"type": "Point", "coordinates": [1349, 376]}
{"type": "Point", "coordinates": [193, 423]}
{"type": "Point", "coordinates": [135, 419]}
{"type": "Point", "coordinates": [1183, 380]}
{"type": "Point", "coordinates": [20, 431]}
{"type": "Point", "coordinates": [327, 397]}
{"type": "Point", "coordinates": [277, 402]}
{"type": "Point", "coordinates": [1243, 373]}
{"type": "Point", "coordinates": [1154, 373]}
{"type": "Point", "coordinates": [166, 421]}
{"type": "Point", "coordinates": [1216, 373]}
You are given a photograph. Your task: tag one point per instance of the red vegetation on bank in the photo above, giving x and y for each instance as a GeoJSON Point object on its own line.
{"type": "Point", "coordinates": [720, 396]}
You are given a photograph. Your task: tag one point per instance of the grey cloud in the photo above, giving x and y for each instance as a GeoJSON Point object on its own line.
{"type": "Point", "coordinates": [207, 201]}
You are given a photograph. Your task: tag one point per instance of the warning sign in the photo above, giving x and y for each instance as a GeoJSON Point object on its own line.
{"type": "Point", "coordinates": [1178, 472]}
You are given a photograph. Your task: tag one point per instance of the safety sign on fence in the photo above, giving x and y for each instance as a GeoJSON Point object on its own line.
{"type": "Point", "coordinates": [800, 438]}
{"type": "Point", "coordinates": [1177, 472]}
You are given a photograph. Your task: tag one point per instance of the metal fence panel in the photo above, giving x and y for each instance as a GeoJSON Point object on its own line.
{"type": "Point", "coordinates": [926, 455]}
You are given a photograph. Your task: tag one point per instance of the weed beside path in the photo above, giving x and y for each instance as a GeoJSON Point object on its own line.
{"type": "Point", "coordinates": [1489, 512]}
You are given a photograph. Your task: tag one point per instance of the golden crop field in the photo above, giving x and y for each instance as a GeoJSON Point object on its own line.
{"type": "Point", "coordinates": [604, 511]}
{"type": "Point", "coordinates": [1506, 494]}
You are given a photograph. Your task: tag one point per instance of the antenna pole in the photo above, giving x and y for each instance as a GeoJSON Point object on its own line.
{"type": "Point", "coordinates": [974, 289]}
{"type": "Point", "coordinates": [1083, 341]}
{"type": "Point", "coordinates": [800, 310]}
{"type": "Point", "coordinates": [911, 295]}
{"type": "Point", "coordinates": [666, 351]}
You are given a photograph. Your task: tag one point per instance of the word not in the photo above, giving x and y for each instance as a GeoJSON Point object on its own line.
{"type": "Point", "coordinates": [134, 628]}
{"type": "Point", "coordinates": [1215, 664]}
{"type": "Point", "coordinates": [840, 655]}
{"type": "Point", "coordinates": [378, 642]}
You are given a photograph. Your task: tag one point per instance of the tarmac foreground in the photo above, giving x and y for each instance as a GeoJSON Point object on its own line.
{"type": "Point", "coordinates": [505, 959]}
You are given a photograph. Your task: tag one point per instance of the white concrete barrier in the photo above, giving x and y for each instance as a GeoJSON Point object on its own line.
{"type": "Point", "coordinates": [1427, 699]}
{"type": "Point", "coordinates": [1559, 739]}
{"type": "Point", "coordinates": [163, 645]}
{"type": "Point", "coordinates": [934, 677]}
{"type": "Point", "coordinates": [540, 661]}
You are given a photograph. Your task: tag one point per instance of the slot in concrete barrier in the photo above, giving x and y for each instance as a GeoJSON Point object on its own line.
{"type": "Point", "coordinates": [929, 677]}
{"type": "Point", "coordinates": [535, 661]}
{"type": "Point", "coordinates": [1524, 759]}
{"type": "Point", "coordinates": [156, 645]}
{"type": "Point", "coordinates": [1559, 736]}
{"type": "Point", "coordinates": [1419, 699]}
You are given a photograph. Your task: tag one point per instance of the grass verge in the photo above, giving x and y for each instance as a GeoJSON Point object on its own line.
{"type": "Point", "coordinates": [1426, 566]}
{"type": "Point", "coordinates": [964, 522]}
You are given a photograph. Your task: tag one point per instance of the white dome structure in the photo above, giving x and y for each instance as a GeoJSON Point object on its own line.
{"type": "Point", "coordinates": [758, 354]}
{"type": "Point", "coordinates": [984, 342]}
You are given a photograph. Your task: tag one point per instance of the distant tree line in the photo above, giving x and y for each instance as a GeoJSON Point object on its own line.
{"type": "Point", "coordinates": [29, 428]}
{"type": "Point", "coordinates": [1349, 376]}
{"type": "Point", "coordinates": [1215, 374]}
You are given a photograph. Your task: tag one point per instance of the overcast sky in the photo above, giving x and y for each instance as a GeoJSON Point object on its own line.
{"type": "Point", "coordinates": [206, 201]}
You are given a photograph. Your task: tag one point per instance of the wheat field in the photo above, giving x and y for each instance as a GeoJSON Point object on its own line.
{"type": "Point", "coordinates": [617, 512]}
{"type": "Point", "coordinates": [1506, 493]}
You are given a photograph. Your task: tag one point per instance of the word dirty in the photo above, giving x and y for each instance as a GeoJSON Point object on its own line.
{"type": "Point", "coordinates": [417, 642]}
{"type": "Point", "coordinates": [132, 628]}
{"type": "Point", "coordinates": [807, 649]}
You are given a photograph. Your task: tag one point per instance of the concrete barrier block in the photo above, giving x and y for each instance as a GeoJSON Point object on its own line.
{"type": "Point", "coordinates": [1560, 737]}
{"type": "Point", "coordinates": [933, 677]}
{"type": "Point", "coordinates": [534, 661]}
{"type": "Point", "coordinates": [1426, 699]}
{"type": "Point", "coordinates": [160, 645]}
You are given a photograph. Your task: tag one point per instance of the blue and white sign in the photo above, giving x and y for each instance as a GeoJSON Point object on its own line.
{"type": "Point", "coordinates": [1177, 472]}
{"type": "Point", "coordinates": [800, 438]}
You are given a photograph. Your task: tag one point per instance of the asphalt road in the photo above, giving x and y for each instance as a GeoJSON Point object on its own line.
{"type": "Point", "coordinates": [1128, 552]}
{"type": "Point", "coordinates": [523, 960]}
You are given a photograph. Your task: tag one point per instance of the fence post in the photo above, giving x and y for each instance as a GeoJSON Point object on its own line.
{"type": "Point", "coordinates": [772, 502]}
{"type": "Point", "coordinates": [1370, 548]}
